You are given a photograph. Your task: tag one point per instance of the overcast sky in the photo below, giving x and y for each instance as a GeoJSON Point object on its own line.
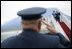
{"type": "Point", "coordinates": [9, 9]}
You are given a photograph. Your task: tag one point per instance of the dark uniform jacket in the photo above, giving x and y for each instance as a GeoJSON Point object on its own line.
{"type": "Point", "coordinates": [32, 39]}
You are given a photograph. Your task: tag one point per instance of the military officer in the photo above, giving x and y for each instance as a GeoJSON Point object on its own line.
{"type": "Point", "coordinates": [30, 36]}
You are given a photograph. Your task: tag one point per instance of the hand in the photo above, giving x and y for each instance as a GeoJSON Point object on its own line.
{"type": "Point", "coordinates": [49, 27]}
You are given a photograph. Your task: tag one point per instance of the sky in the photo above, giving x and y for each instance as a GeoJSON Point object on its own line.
{"type": "Point", "coordinates": [9, 9]}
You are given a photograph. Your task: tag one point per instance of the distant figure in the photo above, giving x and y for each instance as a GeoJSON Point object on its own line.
{"type": "Point", "coordinates": [56, 15]}
{"type": "Point", "coordinates": [30, 36]}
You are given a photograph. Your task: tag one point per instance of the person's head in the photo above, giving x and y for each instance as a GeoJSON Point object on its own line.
{"type": "Point", "coordinates": [32, 24]}
{"type": "Point", "coordinates": [31, 17]}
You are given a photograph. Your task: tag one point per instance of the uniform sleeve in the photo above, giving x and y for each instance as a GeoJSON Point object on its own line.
{"type": "Point", "coordinates": [63, 41]}
{"type": "Point", "coordinates": [60, 46]}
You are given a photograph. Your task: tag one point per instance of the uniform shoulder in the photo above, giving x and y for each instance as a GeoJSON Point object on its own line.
{"type": "Point", "coordinates": [52, 38]}
{"type": "Point", "coordinates": [9, 42]}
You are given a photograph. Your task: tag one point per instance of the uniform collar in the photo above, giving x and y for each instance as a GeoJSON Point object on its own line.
{"type": "Point", "coordinates": [29, 32]}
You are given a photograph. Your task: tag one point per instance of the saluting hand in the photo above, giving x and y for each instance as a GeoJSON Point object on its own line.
{"type": "Point", "coordinates": [49, 27]}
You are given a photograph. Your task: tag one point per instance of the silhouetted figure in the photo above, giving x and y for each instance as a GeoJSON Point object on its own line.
{"type": "Point", "coordinates": [56, 15]}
